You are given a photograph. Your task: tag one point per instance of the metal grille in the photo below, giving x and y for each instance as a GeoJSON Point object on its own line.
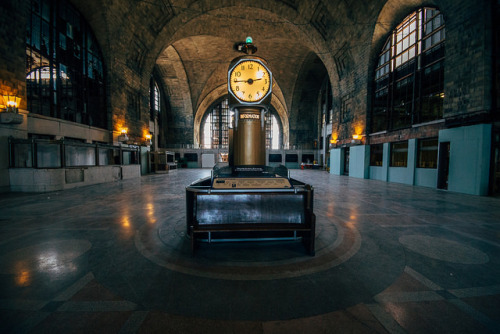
{"type": "Point", "coordinates": [409, 78]}
{"type": "Point", "coordinates": [219, 119]}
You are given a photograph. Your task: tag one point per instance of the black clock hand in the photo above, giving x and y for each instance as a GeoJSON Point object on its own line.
{"type": "Point", "coordinates": [250, 81]}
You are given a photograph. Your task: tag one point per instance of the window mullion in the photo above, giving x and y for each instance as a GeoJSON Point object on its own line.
{"type": "Point", "coordinates": [390, 95]}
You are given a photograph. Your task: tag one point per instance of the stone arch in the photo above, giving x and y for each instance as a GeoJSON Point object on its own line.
{"type": "Point", "coordinates": [209, 99]}
{"type": "Point", "coordinates": [392, 14]}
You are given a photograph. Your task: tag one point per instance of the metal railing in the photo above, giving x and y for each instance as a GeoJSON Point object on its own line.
{"type": "Point", "coordinates": [43, 153]}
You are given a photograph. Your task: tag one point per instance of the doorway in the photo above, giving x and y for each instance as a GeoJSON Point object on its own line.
{"type": "Point", "coordinates": [496, 172]}
{"type": "Point", "coordinates": [443, 165]}
{"type": "Point", "coordinates": [346, 161]}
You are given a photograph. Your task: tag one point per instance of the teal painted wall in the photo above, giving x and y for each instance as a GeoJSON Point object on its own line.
{"type": "Point", "coordinates": [426, 177]}
{"type": "Point", "coordinates": [336, 161]}
{"type": "Point", "coordinates": [380, 172]}
{"type": "Point", "coordinates": [144, 160]}
{"type": "Point", "coordinates": [470, 152]}
{"type": "Point", "coordinates": [359, 161]}
{"type": "Point", "coordinates": [404, 174]}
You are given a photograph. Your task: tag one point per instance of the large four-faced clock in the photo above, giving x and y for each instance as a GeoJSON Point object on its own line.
{"type": "Point", "coordinates": [250, 81]}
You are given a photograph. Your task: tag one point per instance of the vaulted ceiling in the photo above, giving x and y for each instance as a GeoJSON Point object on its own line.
{"type": "Point", "coordinates": [188, 44]}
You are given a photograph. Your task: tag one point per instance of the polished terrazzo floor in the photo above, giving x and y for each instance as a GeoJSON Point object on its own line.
{"type": "Point", "coordinates": [115, 258]}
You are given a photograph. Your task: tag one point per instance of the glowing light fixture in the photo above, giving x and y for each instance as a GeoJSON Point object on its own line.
{"type": "Point", "coordinates": [11, 103]}
{"type": "Point", "coordinates": [356, 139]}
{"type": "Point", "coordinates": [9, 114]}
{"type": "Point", "coordinates": [334, 139]}
{"type": "Point", "coordinates": [123, 137]}
{"type": "Point", "coordinates": [246, 47]}
{"type": "Point", "coordinates": [148, 139]}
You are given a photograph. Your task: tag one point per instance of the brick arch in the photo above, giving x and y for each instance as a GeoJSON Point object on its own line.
{"type": "Point", "coordinates": [177, 91]}
{"type": "Point", "coordinates": [392, 13]}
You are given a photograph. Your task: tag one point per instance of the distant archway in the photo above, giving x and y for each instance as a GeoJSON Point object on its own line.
{"type": "Point", "coordinates": [218, 93]}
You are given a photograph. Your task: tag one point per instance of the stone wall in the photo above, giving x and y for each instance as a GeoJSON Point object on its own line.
{"type": "Point", "coordinates": [13, 49]}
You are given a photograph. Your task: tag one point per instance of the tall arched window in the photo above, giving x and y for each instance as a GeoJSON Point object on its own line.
{"type": "Point", "coordinates": [217, 120]}
{"type": "Point", "coordinates": [64, 67]}
{"type": "Point", "coordinates": [154, 99]}
{"type": "Point", "coordinates": [273, 131]}
{"type": "Point", "coordinates": [409, 78]}
{"type": "Point", "coordinates": [215, 127]}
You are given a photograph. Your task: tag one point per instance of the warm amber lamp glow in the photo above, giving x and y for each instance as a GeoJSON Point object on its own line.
{"type": "Point", "coordinates": [11, 103]}
{"type": "Point", "coordinates": [148, 137]}
{"type": "Point", "coordinates": [123, 136]}
{"type": "Point", "coordinates": [356, 136]}
{"type": "Point", "coordinates": [335, 138]}
{"type": "Point", "coordinates": [23, 278]}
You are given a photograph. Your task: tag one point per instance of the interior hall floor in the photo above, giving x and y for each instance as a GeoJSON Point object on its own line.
{"type": "Point", "coordinates": [115, 258]}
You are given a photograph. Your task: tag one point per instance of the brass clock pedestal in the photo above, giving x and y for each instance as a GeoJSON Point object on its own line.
{"type": "Point", "coordinates": [248, 200]}
{"type": "Point", "coordinates": [249, 137]}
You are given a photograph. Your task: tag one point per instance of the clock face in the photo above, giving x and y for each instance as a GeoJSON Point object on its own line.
{"type": "Point", "coordinates": [250, 81]}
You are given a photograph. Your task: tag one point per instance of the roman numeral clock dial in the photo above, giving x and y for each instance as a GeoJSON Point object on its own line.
{"type": "Point", "coordinates": [249, 81]}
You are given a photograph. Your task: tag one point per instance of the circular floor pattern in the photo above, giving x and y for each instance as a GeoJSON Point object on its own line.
{"type": "Point", "coordinates": [443, 249]}
{"type": "Point", "coordinates": [167, 245]}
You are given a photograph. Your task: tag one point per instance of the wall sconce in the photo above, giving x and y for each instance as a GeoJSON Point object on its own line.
{"type": "Point", "coordinates": [11, 103]}
{"type": "Point", "coordinates": [123, 137]}
{"type": "Point", "coordinates": [334, 139]}
{"type": "Point", "coordinates": [148, 139]}
{"type": "Point", "coordinates": [9, 114]}
{"type": "Point", "coordinates": [356, 139]}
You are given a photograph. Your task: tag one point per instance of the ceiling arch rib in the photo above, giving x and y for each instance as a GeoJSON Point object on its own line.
{"type": "Point", "coordinates": [174, 77]}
